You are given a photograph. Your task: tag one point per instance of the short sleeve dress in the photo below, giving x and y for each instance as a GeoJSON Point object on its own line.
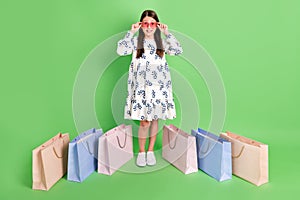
{"type": "Point", "coordinates": [149, 90]}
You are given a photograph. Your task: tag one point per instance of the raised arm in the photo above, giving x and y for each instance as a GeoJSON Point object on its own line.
{"type": "Point", "coordinates": [172, 46]}
{"type": "Point", "coordinates": [127, 44]}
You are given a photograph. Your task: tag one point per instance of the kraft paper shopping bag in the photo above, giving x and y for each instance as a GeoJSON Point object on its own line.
{"type": "Point", "coordinates": [249, 158]}
{"type": "Point", "coordinates": [49, 162]}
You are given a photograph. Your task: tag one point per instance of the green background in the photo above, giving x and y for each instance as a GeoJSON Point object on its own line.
{"type": "Point", "coordinates": [255, 45]}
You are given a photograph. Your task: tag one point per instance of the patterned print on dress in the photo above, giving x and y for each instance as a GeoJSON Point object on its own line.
{"type": "Point", "coordinates": [143, 73]}
{"type": "Point", "coordinates": [156, 57]}
{"type": "Point", "coordinates": [152, 49]}
{"type": "Point", "coordinates": [149, 83]}
{"type": "Point", "coordinates": [137, 85]}
{"type": "Point", "coordinates": [166, 67]}
{"type": "Point", "coordinates": [148, 66]}
{"type": "Point", "coordinates": [165, 94]}
{"type": "Point", "coordinates": [149, 108]}
{"type": "Point", "coordinates": [149, 76]}
{"type": "Point", "coordinates": [143, 93]}
{"type": "Point", "coordinates": [124, 43]}
{"type": "Point", "coordinates": [161, 84]}
{"type": "Point", "coordinates": [153, 94]}
{"type": "Point", "coordinates": [154, 74]}
{"type": "Point", "coordinates": [168, 84]}
{"type": "Point", "coordinates": [164, 74]}
{"type": "Point", "coordinates": [163, 107]}
{"type": "Point", "coordinates": [160, 68]}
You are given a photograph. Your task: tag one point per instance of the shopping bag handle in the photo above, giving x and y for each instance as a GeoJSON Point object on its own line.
{"type": "Point", "coordinates": [122, 146]}
{"type": "Point", "coordinates": [237, 156]}
{"type": "Point", "coordinates": [170, 142]}
{"type": "Point", "coordinates": [88, 148]}
{"type": "Point", "coordinates": [208, 147]}
{"type": "Point", "coordinates": [55, 150]}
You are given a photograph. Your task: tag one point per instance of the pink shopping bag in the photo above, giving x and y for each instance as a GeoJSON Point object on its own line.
{"type": "Point", "coordinates": [114, 149]}
{"type": "Point", "coordinates": [179, 148]}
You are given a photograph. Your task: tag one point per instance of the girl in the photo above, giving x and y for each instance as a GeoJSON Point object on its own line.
{"type": "Point", "coordinates": [149, 83]}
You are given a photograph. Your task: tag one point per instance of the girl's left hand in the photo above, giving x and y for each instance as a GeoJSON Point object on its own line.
{"type": "Point", "coordinates": [163, 28]}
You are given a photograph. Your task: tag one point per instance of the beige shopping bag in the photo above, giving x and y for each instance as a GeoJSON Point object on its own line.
{"type": "Point", "coordinates": [179, 148]}
{"type": "Point", "coordinates": [49, 162]}
{"type": "Point", "coordinates": [114, 149]}
{"type": "Point", "coordinates": [249, 158]}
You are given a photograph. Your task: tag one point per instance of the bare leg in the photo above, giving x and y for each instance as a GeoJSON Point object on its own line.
{"type": "Point", "coordinates": [153, 133]}
{"type": "Point", "coordinates": [143, 134]}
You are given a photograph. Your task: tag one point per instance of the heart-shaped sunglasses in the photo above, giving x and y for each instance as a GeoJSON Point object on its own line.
{"type": "Point", "coordinates": [151, 24]}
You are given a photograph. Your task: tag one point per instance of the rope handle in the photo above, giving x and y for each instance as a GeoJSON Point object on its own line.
{"type": "Point", "coordinates": [175, 142]}
{"type": "Point", "coordinates": [208, 147]}
{"type": "Point", "coordinates": [125, 141]}
{"type": "Point", "coordinates": [55, 150]}
{"type": "Point", "coordinates": [237, 156]}
{"type": "Point", "coordinates": [88, 148]}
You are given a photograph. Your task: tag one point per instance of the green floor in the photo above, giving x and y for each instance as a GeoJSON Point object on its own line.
{"type": "Point", "coordinates": [162, 184]}
{"type": "Point", "coordinates": [255, 46]}
{"type": "Point", "coordinates": [167, 182]}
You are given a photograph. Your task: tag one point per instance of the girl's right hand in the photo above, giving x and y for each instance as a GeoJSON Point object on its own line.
{"type": "Point", "coordinates": [135, 27]}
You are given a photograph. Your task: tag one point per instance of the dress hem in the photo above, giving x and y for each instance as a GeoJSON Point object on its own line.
{"type": "Point", "coordinates": [139, 119]}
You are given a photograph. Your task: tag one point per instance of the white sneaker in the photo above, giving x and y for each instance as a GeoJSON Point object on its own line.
{"type": "Point", "coordinates": [151, 158]}
{"type": "Point", "coordinates": [141, 159]}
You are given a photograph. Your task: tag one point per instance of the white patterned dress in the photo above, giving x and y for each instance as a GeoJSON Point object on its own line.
{"type": "Point", "coordinates": [149, 88]}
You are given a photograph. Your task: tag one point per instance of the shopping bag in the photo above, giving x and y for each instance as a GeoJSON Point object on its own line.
{"type": "Point", "coordinates": [214, 155]}
{"type": "Point", "coordinates": [115, 149]}
{"type": "Point", "coordinates": [179, 149]}
{"type": "Point", "coordinates": [249, 158]}
{"type": "Point", "coordinates": [83, 154]}
{"type": "Point", "coordinates": [49, 162]}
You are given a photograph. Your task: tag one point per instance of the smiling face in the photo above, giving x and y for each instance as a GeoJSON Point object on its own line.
{"type": "Point", "coordinates": [149, 26]}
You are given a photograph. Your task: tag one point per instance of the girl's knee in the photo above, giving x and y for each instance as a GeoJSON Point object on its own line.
{"type": "Point", "coordinates": [145, 124]}
{"type": "Point", "coordinates": [154, 122]}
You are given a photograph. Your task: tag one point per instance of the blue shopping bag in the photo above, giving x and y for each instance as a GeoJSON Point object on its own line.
{"type": "Point", "coordinates": [83, 154]}
{"type": "Point", "coordinates": [214, 155]}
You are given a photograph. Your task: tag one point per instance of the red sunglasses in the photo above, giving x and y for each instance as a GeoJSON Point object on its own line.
{"type": "Point", "coordinates": [147, 24]}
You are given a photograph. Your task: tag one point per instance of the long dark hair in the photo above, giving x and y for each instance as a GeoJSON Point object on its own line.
{"type": "Point", "coordinates": [157, 36]}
